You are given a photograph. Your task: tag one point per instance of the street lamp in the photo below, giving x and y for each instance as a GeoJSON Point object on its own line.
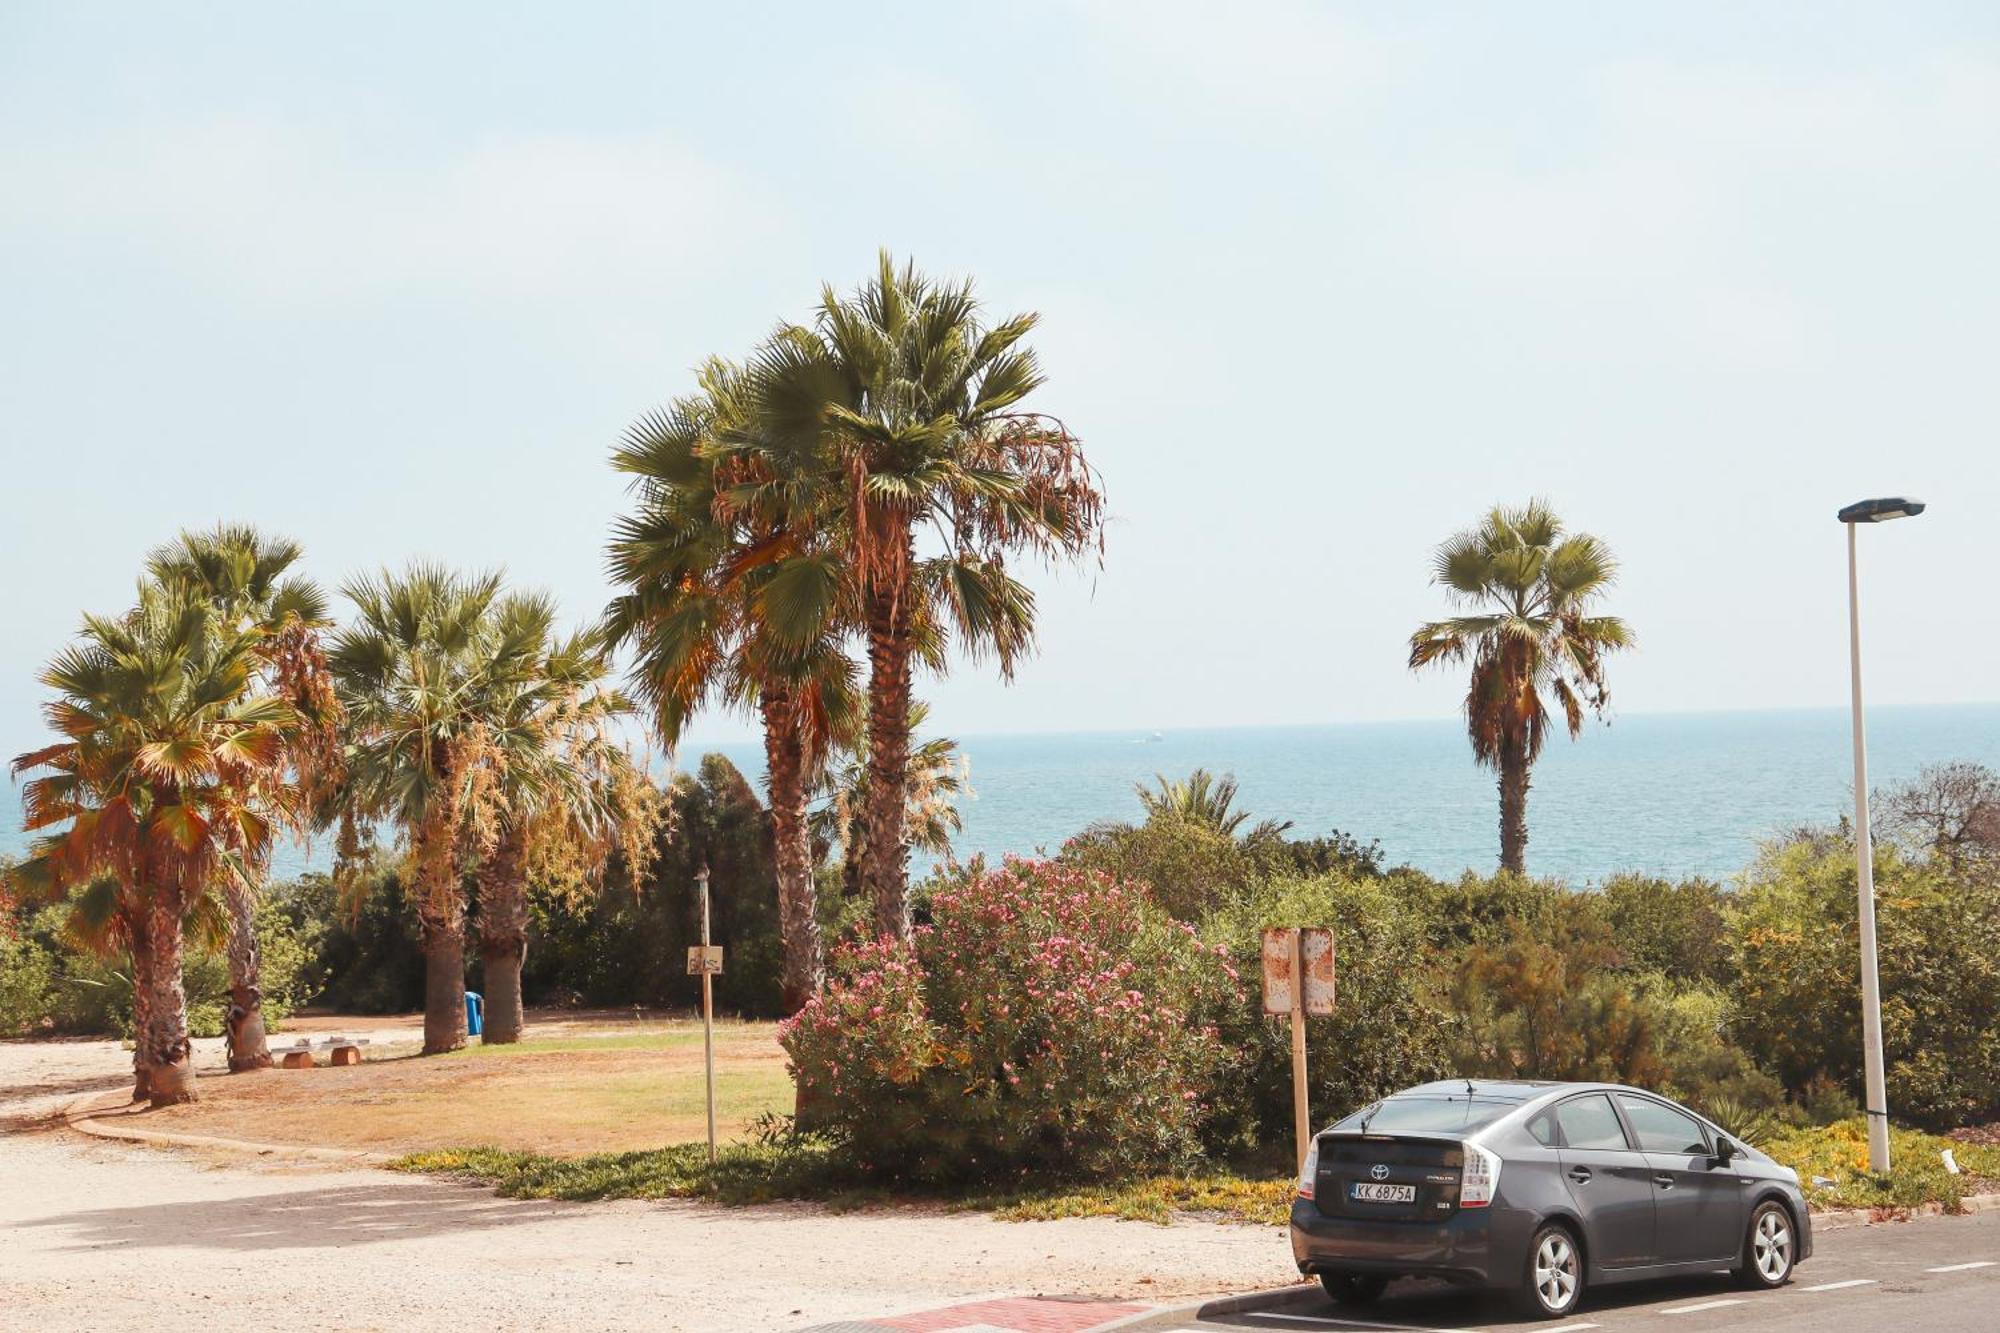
{"type": "Point", "coordinates": [1854, 515]}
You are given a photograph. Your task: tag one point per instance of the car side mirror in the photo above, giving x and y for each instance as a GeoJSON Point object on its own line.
{"type": "Point", "coordinates": [1725, 1151]}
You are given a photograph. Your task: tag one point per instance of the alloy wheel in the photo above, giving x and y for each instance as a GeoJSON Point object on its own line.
{"type": "Point", "coordinates": [1771, 1246]}
{"type": "Point", "coordinates": [1555, 1272]}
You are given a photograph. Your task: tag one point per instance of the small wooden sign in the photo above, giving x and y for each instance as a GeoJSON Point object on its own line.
{"type": "Point", "coordinates": [1315, 943]}
{"type": "Point", "coordinates": [705, 960]}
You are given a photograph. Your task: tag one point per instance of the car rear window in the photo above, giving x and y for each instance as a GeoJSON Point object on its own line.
{"type": "Point", "coordinates": [1426, 1113]}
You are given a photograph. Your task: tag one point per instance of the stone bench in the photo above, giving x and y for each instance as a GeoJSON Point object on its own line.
{"type": "Point", "coordinates": [341, 1051]}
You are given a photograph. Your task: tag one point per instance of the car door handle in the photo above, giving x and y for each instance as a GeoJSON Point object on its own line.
{"type": "Point", "coordinates": [1664, 1181]}
{"type": "Point", "coordinates": [1579, 1174]}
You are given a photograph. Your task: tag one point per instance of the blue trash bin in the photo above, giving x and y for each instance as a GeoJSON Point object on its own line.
{"type": "Point", "coordinates": [475, 1013]}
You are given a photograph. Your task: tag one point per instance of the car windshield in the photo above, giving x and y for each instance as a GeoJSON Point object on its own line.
{"type": "Point", "coordinates": [1425, 1113]}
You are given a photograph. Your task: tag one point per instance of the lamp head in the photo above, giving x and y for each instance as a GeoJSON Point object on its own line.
{"type": "Point", "coordinates": [1881, 511]}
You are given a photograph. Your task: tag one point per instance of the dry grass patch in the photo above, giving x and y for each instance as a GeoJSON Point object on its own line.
{"type": "Point", "coordinates": [561, 1095]}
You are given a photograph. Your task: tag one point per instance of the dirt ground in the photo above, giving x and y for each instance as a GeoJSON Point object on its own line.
{"type": "Point", "coordinates": [589, 1083]}
{"type": "Point", "coordinates": [95, 1235]}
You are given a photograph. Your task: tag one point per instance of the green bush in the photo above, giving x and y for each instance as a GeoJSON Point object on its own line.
{"type": "Point", "coordinates": [50, 985]}
{"type": "Point", "coordinates": [1389, 1027]}
{"type": "Point", "coordinates": [1673, 927]}
{"type": "Point", "coordinates": [1797, 965]}
{"type": "Point", "coordinates": [27, 985]}
{"type": "Point", "coordinates": [1048, 1020]}
{"type": "Point", "coordinates": [1188, 866]}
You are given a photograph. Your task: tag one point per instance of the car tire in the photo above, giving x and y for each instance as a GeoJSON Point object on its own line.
{"type": "Point", "coordinates": [1552, 1276]}
{"type": "Point", "coordinates": [1354, 1288]}
{"type": "Point", "coordinates": [1770, 1247]}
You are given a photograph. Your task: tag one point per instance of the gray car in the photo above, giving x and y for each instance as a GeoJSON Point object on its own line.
{"type": "Point", "coordinates": [1541, 1190]}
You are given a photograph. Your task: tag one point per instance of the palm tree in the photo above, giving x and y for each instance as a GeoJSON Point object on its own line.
{"type": "Point", "coordinates": [1204, 799]}
{"type": "Point", "coordinates": [242, 574]}
{"type": "Point", "coordinates": [427, 675]}
{"type": "Point", "coordinates": [735, 596]}
{"type": "Point", "coordinates": [170, 777]}
{"type": "Point", "coordinates": [937, 782]}
{"type": "Point", "coordinates": [1527, 589]}
{"type": "Point", "coordinates": [565, 788]}
{"type": "Point", "coordinates": [910, 405]}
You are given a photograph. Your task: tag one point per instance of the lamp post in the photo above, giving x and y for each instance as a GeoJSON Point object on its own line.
{"type": "Point", "coordinates": [1877, 1108]}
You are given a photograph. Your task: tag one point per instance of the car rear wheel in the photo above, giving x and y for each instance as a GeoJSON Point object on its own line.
{"type": "Point", "coordinates": [1552, 1283]}
{"type": "Point", "coordinates": [1353, 1288]}
{"type": "Point", "coordinates": [1769, 1248]}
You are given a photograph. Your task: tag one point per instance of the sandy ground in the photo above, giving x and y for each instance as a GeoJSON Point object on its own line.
{"type": "Point", "coordinates": [96, 1235]}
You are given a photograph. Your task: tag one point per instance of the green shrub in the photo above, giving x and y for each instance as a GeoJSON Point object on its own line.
{"type": "Point", "coordinates": [1389, 1027]}
{"type": "Point", "coordinates": [1188, 866]}
{"type": "Point", "coordinates": [1797, 984]}
{"type": "Point", "coordinates": [1048, 1020]}
{"type": "Point", "coordinates": [1674, 927]}
{"type": "Point", "coordinates": [27, 985]}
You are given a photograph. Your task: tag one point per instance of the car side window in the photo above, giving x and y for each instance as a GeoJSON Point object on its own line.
{"type": "Point", "coordinates": [1543, 1129]}
{"type": "Point", "coordinates": [1589, 1122]}
{"type": "Point", "coordinates": [1661, 1128]}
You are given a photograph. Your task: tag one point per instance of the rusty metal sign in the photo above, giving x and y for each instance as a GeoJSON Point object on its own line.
{"type": "Point", "coordinates": [1281, 995]}
{"type": "Point", "coordinates": [705, 959]}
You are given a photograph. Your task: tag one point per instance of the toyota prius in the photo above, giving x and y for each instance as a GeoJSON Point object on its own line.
{"type": "Point", "coordinates": [1541, 1190]}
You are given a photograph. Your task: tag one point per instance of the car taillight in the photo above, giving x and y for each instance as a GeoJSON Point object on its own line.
{"type": "Point", "coordinates": [1480, 1180]}
{"type": "Point", "coordinates": [1309, 1170]}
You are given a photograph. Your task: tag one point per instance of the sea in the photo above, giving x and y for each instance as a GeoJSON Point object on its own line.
{"type": "Point", "coordinates": [1667, 794]}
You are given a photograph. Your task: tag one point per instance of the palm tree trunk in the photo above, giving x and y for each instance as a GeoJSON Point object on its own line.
{"type": "Point", "coordinates": [245, 1019]}
{"type": "Point", "coordinates": [885, 856]}
{"type": "Point", "coordinates": [142, 964]}
{"type": "Point", "coordinates": [503, 940]}
{"type": "Point", "coordinates": [163, 1041]}
{"type": "Point", "coordinates": [798, 905]}
{"type": "Point", "coordinates": [1514, 806]}
{"type": "Point", "coordinates": [444, 983]}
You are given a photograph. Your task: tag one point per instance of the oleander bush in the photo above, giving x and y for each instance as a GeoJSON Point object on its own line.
{"type": "Point", "coordinates": [1047, 1020]}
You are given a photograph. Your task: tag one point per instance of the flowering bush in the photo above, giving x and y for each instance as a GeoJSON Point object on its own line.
{"type": "Point", "coordinates": [1048, 1019]}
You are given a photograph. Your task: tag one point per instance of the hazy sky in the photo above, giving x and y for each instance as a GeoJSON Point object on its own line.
{"type": "Point", "coordinates": [1318, 284]}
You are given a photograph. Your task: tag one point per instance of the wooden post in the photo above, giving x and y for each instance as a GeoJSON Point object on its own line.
{"type": "Point", "coordinates": [707, 1014]}
{"type": "Point", "coordinates": [1301, 1116]}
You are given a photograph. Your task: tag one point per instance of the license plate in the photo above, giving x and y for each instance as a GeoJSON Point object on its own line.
{"type": "Point", "coordinates": [1367, 1193]}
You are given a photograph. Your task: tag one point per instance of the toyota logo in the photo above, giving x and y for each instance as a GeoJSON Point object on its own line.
{"type": "Point", "coordinates": [1379, 1171]}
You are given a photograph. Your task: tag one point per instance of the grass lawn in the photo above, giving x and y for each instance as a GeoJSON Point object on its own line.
{"type": "Point", "coordinates": [563, 1094]}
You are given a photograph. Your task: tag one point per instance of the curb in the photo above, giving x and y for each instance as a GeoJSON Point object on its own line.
{"type": "Point", "coordinates": [1299, 1293]}
{"type": "Point", "coordinates": [79, 1116]}
{"type": "Point", "coordinates": [1838, 1218]}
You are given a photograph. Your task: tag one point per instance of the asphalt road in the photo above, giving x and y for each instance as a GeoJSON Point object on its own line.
{"type": "Point", "coordinates": [1933, 1273]}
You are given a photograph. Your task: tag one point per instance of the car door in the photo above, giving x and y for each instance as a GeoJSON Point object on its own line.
{"type": "Point", "coordinates": [1610, 1181]}
{"type": "Point", "coordinates": [1698, 1203]}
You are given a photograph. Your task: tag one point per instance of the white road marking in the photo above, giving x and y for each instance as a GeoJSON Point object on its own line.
{"type": "Point", "coordinates": [1331, 1322]}
{"type": "Point", "coordinates": [1960, 1268]}
{"type": "Point", "coordinates": [1839, 1286]}
{"type": "Point", "coordinates": [1704, 1305]}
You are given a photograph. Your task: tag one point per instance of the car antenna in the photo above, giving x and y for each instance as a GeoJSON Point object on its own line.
{"type": "Point", "coordinates": [1468, 1087]}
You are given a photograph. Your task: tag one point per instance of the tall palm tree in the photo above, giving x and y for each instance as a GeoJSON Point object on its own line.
{"type": "Point", "coordinates": [427, 675]}
{"type": "Point", "coordinates": [169, 778]}
{"type": "Point", "coordinates": [243, 575]}
{"type": "Point", "coordinates": [1527, 590]}
{"type": "Point", "coordinates": [564, 785]}
{"type": "Point", "coordinates": [735, 595]}
{"type": "Point", "coordinates": [911, 404]}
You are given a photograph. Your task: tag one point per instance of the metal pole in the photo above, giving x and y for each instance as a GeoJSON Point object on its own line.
{"type": "Point", "coordinates": [1877, 1108]}
{"type": "Point", "coordinates": [707, 1012]}
{"type": "Point", "coordinates": [1301, 1116]}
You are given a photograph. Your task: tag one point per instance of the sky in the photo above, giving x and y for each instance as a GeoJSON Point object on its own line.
{"type": "Point", "coordinates": [1318, 285]}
